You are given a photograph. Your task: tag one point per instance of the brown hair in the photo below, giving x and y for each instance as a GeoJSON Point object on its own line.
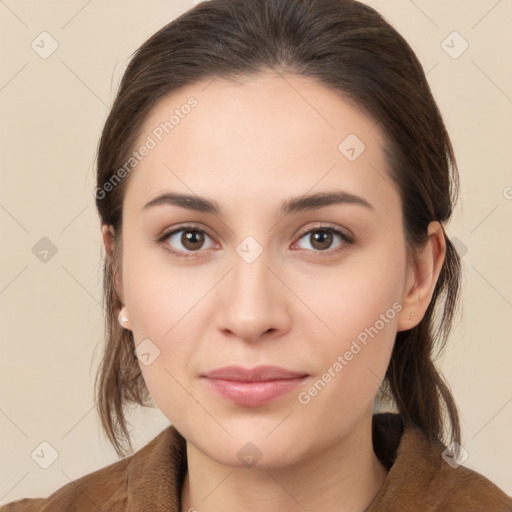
{"type": "Point", "coordinates": [350, 48]}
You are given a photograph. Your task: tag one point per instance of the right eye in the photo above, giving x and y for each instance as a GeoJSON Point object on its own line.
{"type": "Point", "coordinates": [190, 238]}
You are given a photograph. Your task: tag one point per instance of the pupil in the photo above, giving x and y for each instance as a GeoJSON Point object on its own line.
{"type": "Point", "coordinates": [192, 237]}
{"type": "Point", "coordinates": [320, 238]}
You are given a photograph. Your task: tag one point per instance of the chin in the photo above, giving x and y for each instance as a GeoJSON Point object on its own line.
{"type": "Point", "coordinates": [248, 447]}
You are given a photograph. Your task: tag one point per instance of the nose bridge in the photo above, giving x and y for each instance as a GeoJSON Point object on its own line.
{"type": "Point", "coordinates": [250, 280]}
{"type": "Point", "coordinates": [251, 301]}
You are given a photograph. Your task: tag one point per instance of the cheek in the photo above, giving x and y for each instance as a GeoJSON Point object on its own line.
{"type": "Point", "coordinates": [160, 294]}
{"type": "Point", "coordinates": [358, 308]}
{"type": "Point", "coordinates": [163, 302]}
{"type": "Point", "coordinates": [351, 298]}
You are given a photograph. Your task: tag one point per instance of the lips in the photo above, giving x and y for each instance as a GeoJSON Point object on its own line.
{"type": "Point", "coordinates": [253, 387]}
{"type": "Point", "coordinates": [260, 373]}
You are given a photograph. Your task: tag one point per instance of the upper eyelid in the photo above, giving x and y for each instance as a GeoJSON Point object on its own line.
{"type": "Point", "coordinates": [189, 227]}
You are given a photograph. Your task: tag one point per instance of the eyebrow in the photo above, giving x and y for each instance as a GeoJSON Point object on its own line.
{"type": "Point", "coordinates": [292, 205]}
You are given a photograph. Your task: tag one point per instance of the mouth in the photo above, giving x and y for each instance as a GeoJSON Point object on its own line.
{"type": "Point", "coordinates": [253, 387]}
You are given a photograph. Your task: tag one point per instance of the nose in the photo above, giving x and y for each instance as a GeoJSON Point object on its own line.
{"type": "Point", "coordinates": [253, 302]}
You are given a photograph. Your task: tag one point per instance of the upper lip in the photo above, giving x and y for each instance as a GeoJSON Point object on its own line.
{"type": "Point", "coordinates": [259, 373]}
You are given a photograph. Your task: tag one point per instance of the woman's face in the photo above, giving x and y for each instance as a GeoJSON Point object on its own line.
{"type": "Point", "coordinates": [259, 283]}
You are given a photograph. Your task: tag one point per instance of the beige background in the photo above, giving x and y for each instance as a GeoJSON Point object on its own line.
{"type": "Point", "coordinates": [52, 112]}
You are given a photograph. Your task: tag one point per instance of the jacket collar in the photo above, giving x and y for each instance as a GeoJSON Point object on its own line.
{"type": "Point", "coordinates": [156, 473]}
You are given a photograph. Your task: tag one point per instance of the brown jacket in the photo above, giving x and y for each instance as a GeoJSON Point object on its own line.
{"type": "Point", "coordinates": [150, 480]}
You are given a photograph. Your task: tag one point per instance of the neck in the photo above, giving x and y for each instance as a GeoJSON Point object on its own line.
{"type": "Point", "coordinates": [344, 477]}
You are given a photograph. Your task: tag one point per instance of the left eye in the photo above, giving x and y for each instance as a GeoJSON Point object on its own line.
{"type": "Point", "coordinates": [321, 238]}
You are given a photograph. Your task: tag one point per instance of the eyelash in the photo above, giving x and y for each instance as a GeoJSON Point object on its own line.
{"type": "Point", "coordinates": [190, 227]}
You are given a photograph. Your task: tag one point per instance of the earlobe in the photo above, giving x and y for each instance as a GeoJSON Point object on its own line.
{"type": "Point", "coordinates": [424, 273]}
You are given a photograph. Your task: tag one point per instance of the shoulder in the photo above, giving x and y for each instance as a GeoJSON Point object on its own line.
{"type": "Point", "coordinates": [109, 488]}
{"type": "Point", "coordinates": [461, 488]}
{"type": "Point", "coordinates": [423, 476]}
{"type": "Point", "coordinates": [448, 486]}
{"type": "Point", "coordinates": [102, 488]}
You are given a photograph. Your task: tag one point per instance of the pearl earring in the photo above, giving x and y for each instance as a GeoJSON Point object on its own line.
{"type": "Point", "coordinates": [122, 318]}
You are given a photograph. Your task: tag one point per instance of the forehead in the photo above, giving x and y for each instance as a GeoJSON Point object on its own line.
{"type": "Point", "coordinates": [276, 135]}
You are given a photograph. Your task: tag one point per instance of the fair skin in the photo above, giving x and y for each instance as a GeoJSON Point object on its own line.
{"type": "Point", "coordinates": [299, 305]}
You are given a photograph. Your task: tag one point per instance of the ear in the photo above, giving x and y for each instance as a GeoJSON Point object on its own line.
{"type": "Point", "coordinates": [107, 232]}
{"type": "Point", "coordinates": [422, 276]}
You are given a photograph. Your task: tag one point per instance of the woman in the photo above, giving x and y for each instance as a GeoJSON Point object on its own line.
{"type": "Point", "coordinates": [273, 183]}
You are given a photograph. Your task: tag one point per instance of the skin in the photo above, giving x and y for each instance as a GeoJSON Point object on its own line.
{"type": "Point", "coordinates": [249, 147]}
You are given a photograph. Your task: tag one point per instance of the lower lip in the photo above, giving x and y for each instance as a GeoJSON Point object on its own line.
{"type": "Point", "coordinates": [252, 394]}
